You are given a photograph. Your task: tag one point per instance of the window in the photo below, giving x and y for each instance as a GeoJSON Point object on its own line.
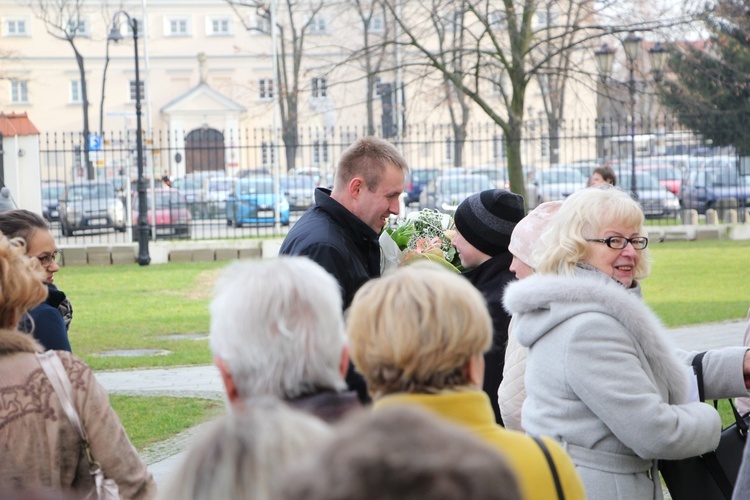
{"type": "Point", "coordinates": [19, 92]}
{"type": "Point", "coordinates": [319, 87]}
{"type": "Point", "coordinates": [15, 27]}
{"type": "Point", "coordinates": [80, 27]}
{"type": "Point", "coordinates": [267, 154]}
{"type": "Point", "coordinates": [377, 24]}
{"type": "Point", "coordinates": [260, 24]}
{"type": "Point", "coordinates": [499, 84]}
{"type": "Point", "coordinates": [497, 20]}
{"type": "Point", "coordinates": [76, 93]}
{"type": "Point", "coordinates": [376, 86]}
{"type": "Point", "coordinates": [141, 27]}
{"type": "Point", "coordinates": [455, 21]}
{"type": "Point", "coordinates": [178, 26]}
{"type": "Point", "coordinates": [317, 25]}
{"type": "Point", "coordinates": [219, 26]}
{"type": "Point", "coordinates": [141, 90]}
{"type": "Point", "coordinates": [320, 152]}
{"type": "Point", "coordinates": [265, 88]}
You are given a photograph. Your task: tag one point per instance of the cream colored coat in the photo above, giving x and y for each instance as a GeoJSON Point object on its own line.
{"type": "Point", "coordinates": [45, 450]}
{"type": "Point", "coordinates": [512, 390]}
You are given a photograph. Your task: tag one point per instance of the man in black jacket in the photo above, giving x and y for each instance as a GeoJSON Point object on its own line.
{"type": "Point", "coordinates": [340, 232]}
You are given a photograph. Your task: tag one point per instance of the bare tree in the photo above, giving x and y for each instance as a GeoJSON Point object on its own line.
{"type": "Point", "coordinates": [372, 54]}
{"type": "Point", "coordinates": [293, 22]}
{"type": "Point", "coordinates": [500, 39]}
{"type": "Point", "coordinates": [64, 20]}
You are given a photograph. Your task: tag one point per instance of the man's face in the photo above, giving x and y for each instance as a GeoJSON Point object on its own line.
{"type": "Point", "coordinates": [375, 206]}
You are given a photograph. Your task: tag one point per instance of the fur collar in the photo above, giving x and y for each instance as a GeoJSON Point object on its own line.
{"type": "Point", "coordinates": [13, 341]}
{"type": "Point", "coordinates": [592, 291]}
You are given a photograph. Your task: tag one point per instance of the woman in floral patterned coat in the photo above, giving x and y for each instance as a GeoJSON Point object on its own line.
{"type": "Point", "coordinates": [41, 449]}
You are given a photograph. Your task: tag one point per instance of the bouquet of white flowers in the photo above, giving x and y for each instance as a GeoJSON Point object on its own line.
{"type": "Point", "coordinates": [423, 235]}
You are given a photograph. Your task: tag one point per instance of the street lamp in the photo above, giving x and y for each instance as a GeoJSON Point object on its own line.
{"type": "Point", "coordinates": [605, 58]}
{"type": "Point", "coordinates": [143, 257]}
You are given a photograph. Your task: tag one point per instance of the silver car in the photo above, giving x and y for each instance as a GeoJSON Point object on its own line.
{"type": "Point", "coordinates": [91, 205]}
{"type": "Point", "coordinates": [446, 191]}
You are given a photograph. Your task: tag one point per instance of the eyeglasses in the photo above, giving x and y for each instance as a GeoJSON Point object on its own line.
{"type": "Point", "coordinates": [620, 242]}
{"type": "Point", "coordinates": [46, 260]}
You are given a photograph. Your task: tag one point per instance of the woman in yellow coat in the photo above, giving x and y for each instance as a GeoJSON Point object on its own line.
{"type": "Point", "coordinates": [418, 336]}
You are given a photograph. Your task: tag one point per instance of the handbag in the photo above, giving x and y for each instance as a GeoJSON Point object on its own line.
{"type": "Point", "coordinates": [104, 488]}
{"type": "Point", "coordinates": [710, 476]}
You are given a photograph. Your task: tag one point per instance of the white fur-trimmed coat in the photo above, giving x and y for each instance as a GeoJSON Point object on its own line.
{"type": "Point", "coordinates": [603, 379]}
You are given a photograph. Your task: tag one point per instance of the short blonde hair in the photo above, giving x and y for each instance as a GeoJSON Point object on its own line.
{"type": "Point", "coordinates": [21, 282]}
{"type": "Point", "coordinates": [416, 329]}
{"type": "Point", "coordinates": [582, 216]}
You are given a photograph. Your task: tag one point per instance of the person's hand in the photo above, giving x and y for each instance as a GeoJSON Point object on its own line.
{"type": "Point", "coordinates": [746, 369]}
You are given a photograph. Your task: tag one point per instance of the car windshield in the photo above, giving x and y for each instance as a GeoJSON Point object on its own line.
{"type": "Point", "coordinates": [645, 181]}
{"type": "Point", "coordinates": [220, 184]}
{"type": "Point", "coordinates": [465, 184]}
{"type": "Point", "coordinates": [91, 191]}
{"type": "Point", "coordinates": [256, 186]}
{"type": "Point", "coordinates": [423, 175]}
{"type": "Point", "coordinates": [167, 199]}
{"type": "Point", "coordinates": [724, 177]}
{"type": "Point", "coordinates": [561, 177]}
{"type": "Point", "coordinates": [51, 192]}
{"type": "Point", "coordinates": [297, 182]}
{"type": "Point", "coordinates": [665, 173]}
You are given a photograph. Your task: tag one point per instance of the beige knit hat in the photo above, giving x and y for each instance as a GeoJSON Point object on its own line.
{"type": "Point", "coordinates": [527, 232]}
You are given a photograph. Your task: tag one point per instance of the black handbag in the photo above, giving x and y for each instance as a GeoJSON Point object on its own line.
{"type": "Point", "coordinates": [710, 476]}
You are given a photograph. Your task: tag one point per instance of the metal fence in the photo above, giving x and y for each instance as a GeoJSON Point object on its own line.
{"type": "Point", "coordinates": [674, 169]}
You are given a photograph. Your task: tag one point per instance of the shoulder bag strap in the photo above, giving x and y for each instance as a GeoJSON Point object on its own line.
{"type": "Point", "coordinates": [698, 369]}
{"type": "Point", "coordinates": [553, 468]}
{"type": "Point", "coordinates": [58, 377]}
{"type": "Point", "coordinates": [709, 459]}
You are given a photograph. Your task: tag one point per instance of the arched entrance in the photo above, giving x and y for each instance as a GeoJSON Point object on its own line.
{"type": "Point", "coordinates": [204, 150]}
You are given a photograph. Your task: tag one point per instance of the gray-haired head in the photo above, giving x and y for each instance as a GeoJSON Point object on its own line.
{"type": "Point", "coordinates": [278, 328]}
{"type": "Point", "coordinates": [246, 454]}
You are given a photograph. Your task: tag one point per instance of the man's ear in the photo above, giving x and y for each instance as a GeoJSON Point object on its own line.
{"type": "Point", "coordinates": [355, 186]}
{"type": "Point", "coordinates": [344, 364]}
{"type": "Point", "coordinates": [226, 377]}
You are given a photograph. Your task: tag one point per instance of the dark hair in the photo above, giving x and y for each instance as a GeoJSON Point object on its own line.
{"type": "Point", "coordinates": [21, 223]}
{"type": "Point", "coordinates": [607, 173]}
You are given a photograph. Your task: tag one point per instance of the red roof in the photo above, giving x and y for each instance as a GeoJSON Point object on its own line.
{"type": "Point", "coordinates": [16, 124]}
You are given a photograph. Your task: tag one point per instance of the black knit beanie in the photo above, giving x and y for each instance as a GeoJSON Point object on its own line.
{"type": "Point", "coordinates": [486, 219]}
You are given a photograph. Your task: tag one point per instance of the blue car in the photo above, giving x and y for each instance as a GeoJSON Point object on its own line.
{"type": "Point", "coordinates": [253, 201]}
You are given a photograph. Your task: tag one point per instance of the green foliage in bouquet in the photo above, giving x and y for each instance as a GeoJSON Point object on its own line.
{"type": "Point", "coordinates": [427, 235]}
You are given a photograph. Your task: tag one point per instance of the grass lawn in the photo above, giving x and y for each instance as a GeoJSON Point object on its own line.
{"type": "Point", "coordinates": [149, 420]}
{"type": "Point", "coordinates": [699, 281]}
{"type": "Point", "coordinates": [126, 307]}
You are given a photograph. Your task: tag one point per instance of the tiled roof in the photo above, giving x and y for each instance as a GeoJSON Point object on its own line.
{"type": "Point", "coordinates": [14, 124]}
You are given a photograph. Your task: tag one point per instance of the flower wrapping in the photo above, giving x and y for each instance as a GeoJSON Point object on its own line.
{"type": "Point", "coordinates": [425, 234]}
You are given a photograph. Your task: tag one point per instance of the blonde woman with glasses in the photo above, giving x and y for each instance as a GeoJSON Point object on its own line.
{"type": "Point", "coordinates": [602, 377]}
{"type": "Point", "coordinates": [50, 320]}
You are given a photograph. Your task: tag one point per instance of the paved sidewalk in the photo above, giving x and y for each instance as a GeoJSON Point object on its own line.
{"type": "Point", "coordinates": [205, 382]}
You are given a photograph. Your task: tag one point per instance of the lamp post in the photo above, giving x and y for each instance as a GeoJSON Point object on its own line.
{"type": "Point", "coordinates": [143, 256]}
{"type": "Point", "coordinates": [605, 59]}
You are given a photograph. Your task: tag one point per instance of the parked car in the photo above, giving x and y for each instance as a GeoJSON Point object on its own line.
{"type": "Point", "coordinates": [168, 213]}
{"type": "Point", "coordinates": [655, 199]}
{"type": "Point", "coordinates": [91, 205]}
{"type": "Point", "coordinates": [418, 179]}
{"type": "Point", "coordinates": [668, 175]}
{"type": "Point", "coordinates": [498, 175]}
{"type": "Point", "coordinates": [253, 201]}
{"type": "Point", "coordinates": [556, 183]}
{"type": "Point", "coordinates": [714, 188]}
{"type": "Point", "coordinates": [214, 197]}
{"type": "Point", "coordinates": [446, 192]}
{"type": "Point", "coordinates": [191, 186]}
{"type": "Point", "coordinates": [299, 190]}
{"type": "Point", "coordinates": [52, 191]}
